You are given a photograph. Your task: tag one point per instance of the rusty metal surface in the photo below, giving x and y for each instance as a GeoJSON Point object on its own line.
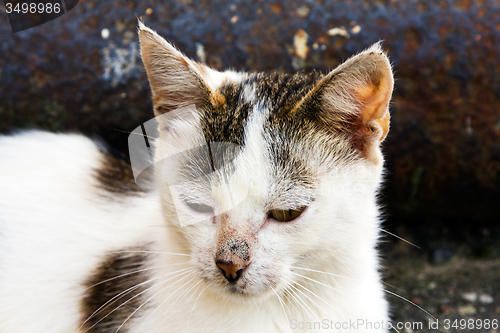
{"type": "Point", "coordinates": [444, 146]}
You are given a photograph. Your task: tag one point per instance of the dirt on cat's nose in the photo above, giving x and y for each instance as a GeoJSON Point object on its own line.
{"type": "Point", "coordinates": [232, 258]}
{"type": "Point", "coordinates": [231, 271]}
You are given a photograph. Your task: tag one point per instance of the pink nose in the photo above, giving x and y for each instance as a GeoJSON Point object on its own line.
{"type": "Point", "coordinates": [231, 272]}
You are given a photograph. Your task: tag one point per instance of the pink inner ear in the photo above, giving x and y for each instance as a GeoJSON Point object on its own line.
{"type": "Point", "coordinates": [374, 107]}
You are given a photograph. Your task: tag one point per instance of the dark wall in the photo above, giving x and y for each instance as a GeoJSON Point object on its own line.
{"type": "Point", "coordinates": [443, 150]}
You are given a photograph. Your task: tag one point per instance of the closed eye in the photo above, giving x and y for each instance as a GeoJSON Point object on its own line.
{"type": "Point", "coordinates": [286, 215]}
{"type": "Point", "coordinates": [199, 207]}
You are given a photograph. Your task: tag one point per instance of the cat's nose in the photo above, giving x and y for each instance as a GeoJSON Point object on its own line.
{"type": "Point", "coordinates": [231, 271]}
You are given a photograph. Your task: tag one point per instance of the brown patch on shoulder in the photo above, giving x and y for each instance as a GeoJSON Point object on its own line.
{"type": "Point", "coordinates": [115, 176]}
{"type": "Point", "coordinates": [100, 291]}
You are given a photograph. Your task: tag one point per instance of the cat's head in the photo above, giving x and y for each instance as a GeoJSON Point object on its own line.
{"type": "Point", "coordinates": [277, 170]}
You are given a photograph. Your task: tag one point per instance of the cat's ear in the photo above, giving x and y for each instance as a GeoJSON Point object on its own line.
{"type": "Point", "coordinates": [354, 97]}
{"type": "Point", "coordinates": [176, 81]}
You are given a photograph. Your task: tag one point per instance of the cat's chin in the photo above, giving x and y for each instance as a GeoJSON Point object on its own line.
{"type": "Point", "coordinates": [244, 290]}
{"type": "Point", "coordinates": [239, 295]}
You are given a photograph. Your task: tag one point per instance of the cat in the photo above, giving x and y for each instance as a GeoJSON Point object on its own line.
{"type": "Point", "coordinates": [275, 231]}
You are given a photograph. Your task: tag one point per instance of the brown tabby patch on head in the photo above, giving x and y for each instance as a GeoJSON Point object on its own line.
{"type": "Point", "coordinates": [284, 129]}
{"type": "Point", "coordinates": [115, 275]}
{"type": "Point", "coordinates": [352, 100]}
{"type": "Point", "coordinates": [115, 176]}
{"type": "Point", "coordinates": [310, 122]}
{"type": "Point", "coordinates": [274, 96]}
{"type": "Point", "coordinates": [283, 91]}
{"type": "Point", "coordinates": [226, 120]}
{"type": "Point", "coordinates": [279, 92]}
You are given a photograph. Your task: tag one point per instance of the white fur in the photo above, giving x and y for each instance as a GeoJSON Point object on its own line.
{"type": "Point", "coordinates": [249, 93]}
{"type": "Point", "coordinates": [55, 228]}
{"type": "Point", "coordinates": [214, 78]}
{"type": "Point", "coordinates": [338, 234]}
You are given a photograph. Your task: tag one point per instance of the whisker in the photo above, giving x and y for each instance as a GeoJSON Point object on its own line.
{"type": "Point", "coordinates": [332, 274]}
{"type": "Point", "coordinates": [191, 297]}
{"type": "Point", "coordinates": [300, 303]}
{"type": "Point", "coordinates": [300, 285]}
{"type": "Point", "coordinates": [116, 297]}
{"type": "Point", "coordinates": [321, 283]}
{"type": "Point", "coordinates": [282, 304]}
{"type": "Point", "coordinates": [316, 281]}
{"type": "Point", "coordinates": [394, 328]}
{"type": "Point", "coordinates": [398, 237]}
{"type": "Point", "coordinates": [192, 310]}
{"type": "Point", "coordinates": [181, 295]}
{"type": "Point", "coordinates": [390, 285]}
{"type": "Point", "coordinates": [292, 285]}
{"type": "Point", "coordinates": [407, 300]}
{"type": "Point", "coordinates": [287, 293]}
{"type": "Point", "coordinates": [151, 314]}
{"type": "Point", "coordinates": [137, 271]}
{"type": "Point", "coordinates": [313, 270]}
{"type": "Point", "coordinates": [154, 252]}
{"type": "Point", "coordinates": [130, 299]}
{"type": "Point", "coordinates": [149, 299]}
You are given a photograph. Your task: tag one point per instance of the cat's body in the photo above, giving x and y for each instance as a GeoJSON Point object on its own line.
{"type": "Point", "coordinates": [79, 241]}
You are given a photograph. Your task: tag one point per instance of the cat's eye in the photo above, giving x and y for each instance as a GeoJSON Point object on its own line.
{"type": "Point", "coordinates": [286, 215]}
{"type": "Point", "coordinates": [200, 208]}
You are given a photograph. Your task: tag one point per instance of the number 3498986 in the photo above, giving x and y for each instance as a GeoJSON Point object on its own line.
{"type": "Point", "coordinates": [38, 8]}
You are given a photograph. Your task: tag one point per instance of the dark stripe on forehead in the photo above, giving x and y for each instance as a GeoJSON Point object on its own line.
{"type": "Point", "coordinates": [287, 132]}
{"type": "Point", "coordinates": [283, 130]}
{"type": "Point", "coordinates": [283, 91]}
{"type": "Point", "coordinates": [224, 119]}
{"type": "Point", "coordinates": [223, 123]}
{"type": "Point", "coordinates": [283, 141]}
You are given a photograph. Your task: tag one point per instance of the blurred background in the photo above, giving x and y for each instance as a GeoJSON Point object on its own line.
{"type": "Point", "coordinates": [82, 72]}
